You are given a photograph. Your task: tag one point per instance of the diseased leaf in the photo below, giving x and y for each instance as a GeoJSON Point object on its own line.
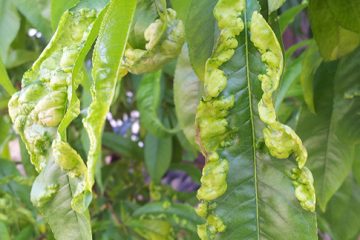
{"type": "Point", "coordinates": [330, 135]}
{"type": "Point", "coordinates": [333, 40]}
{"type": "Point", "coordinates": [9, 27]}
{"type": "Point", "coordinates": [252, 195]}
{"type": "Point", "coordinates": [200, 36]}
{"type": "Point", "coordinates": [187, 95]}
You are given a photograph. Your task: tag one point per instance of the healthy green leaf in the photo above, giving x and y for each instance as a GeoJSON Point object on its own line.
{"type": "Point", "coordinates": [37, 13]}
{"type": "Point", "coordinates": [200, 36]}
{"type": "Point", "coordinates": [182, 8]}
{"type": "Point", "coordinates": [289, 15]}
{"type": "Point", "coordinates": [186, 95]}
{"type": "Point", "coordinates": [9, 27]}
{"type": "Point", "coordinates": [311, 62]}
{"type": "Point", "coordinates": [346, 13]}
{"type": "Point", "coordinates": [333, 40]}
{"type": "Point", "coordinates": [109, 49]}
{"type": "Point", "coordinates": [157, 156]}
{"type": "Point", "coordinates": [123, 146]}
{"type": "Point", "coordinates": [342, 214]}
{"type": "Point", "coordinates": [330, 135]}
{"type": "Point", "coordinates": [148, 96]}
{"type": "Point", "coordinates": [5, 81]}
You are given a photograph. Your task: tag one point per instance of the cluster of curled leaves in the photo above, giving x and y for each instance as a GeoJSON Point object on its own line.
{"type": "Point", "coordinates": [212, 82]}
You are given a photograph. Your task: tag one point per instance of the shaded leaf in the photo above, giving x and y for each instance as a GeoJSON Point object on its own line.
{"type": "Point", "coordinates": [346, 13]}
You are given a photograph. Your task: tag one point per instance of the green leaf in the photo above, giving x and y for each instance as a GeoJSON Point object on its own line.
{"type": "Point", "coordinates": [342, 214]}
{"type": "Point", "coordinates": [259, 198]}
{"type": "Point", "coordinates": [18, 57]}
{"type": "Point", "coordinates": [58, 7]}
{"type": "Point", "coordinates": [182, 8]}
{"type": "Point", "coordinates": [356, 167]}
{"type": "Point", "coordinates": [9, 27]}
{"type": "Point", "coordinates": [275, 5]}
{"type": "Point", "coordinates": [180, 215]}
{"type": "Point", "coordinates": [311, 62]}
{"type": "Point", "coordinates": [346, 13]}
{"type": "Point", "coordinates": [333, 40]}
{"type": "Point", "coordinates": [5, 81]}
{"type": "Point", "coordinates": [289, 15]}
{"type": "Point", "coordinates": [148, 96]}
{"type": "Point", "coordinates": [200, 36]}
{"type": "Point", "coordinates": [330, 135]}
{"type": "Point", "coordinates": [4, 232]}
{"type": "Point", "coordinates": [108, 52]}
{"type": "Point", "coordinates": [123, 146]}
{"type": "Point", "coordinates": [152, 229]}
{"type": "Point", "coordinates": [157, 156]}
{"type": "Point", "coordinates": [37, 13]}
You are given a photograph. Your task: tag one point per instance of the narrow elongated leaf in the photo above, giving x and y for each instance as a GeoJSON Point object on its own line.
{"type": "Point", "coordinates": [108, 52]}
{"type": "Point", "coordinates": [275, 5]}
{"type": "Point", "coordinates": [186, 95]}
{"type": "Point", "coordinates": [245, 193]}
{"type": "Point", "coordinates": [157, 156]}
{"type": "Point", "coordinates": [200, 36]}
{"type": "Point", "coordinates": [312, 61]}
{"type": "Point", "coordinates": [330, 135]}
{"type": "Point", "coordinates": [5, 81]}
{"type": "Point", "coordinates": [289, 15]}
{"type": "Point", "coordinates": [333, 40]}
{"type": "Point", "coordinates": [9, 26]}
{"type": "Point", "coordinates": [148, 98]}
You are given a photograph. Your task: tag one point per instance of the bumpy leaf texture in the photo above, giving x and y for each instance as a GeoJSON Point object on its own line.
{"type": "Point", "coordinates": [246, 193]}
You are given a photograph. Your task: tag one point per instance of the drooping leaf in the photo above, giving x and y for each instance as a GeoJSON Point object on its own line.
{"type": "Point", "coordinates": [333, 40]}
{"type": "Point", "coordinates": [109, 49]}
{"type": "Point", "coordinates": [157, 156]}
{"type": "Point", "coordinates": [330, 135]}
{"type": "Point", "coordinates": [200, 36]}
{"type": "Point", "coordinates": [187, 95]}
{"type": "Point", "coordinates": [42, 111]}
{"type": "Point", "coordinates": [148, 96]}
{"type": "Point", "coordinates": [9, 27]}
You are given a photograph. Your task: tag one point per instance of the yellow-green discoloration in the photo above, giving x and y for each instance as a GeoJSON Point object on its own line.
{"type": "Point", "coordinates": [280, 139]}
{"type": "Point", "coordinates": [304, 188]}
{"type": "Point", "coordinates": [40, 107]}
{"type": "Point", "coordinates": [211, 118]}
{"type": "Point", "coordinates": [162, 45]}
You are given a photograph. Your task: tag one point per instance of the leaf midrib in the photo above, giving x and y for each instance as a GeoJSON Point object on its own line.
{"type": "Point", "coordinates": [251, 119]}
